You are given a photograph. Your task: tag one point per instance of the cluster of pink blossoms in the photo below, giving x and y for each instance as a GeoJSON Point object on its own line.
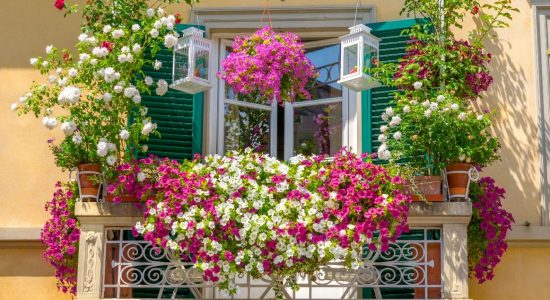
{"type": "Point", "coordinates": [61, 235]}
{"type": "Point", "coordinates": [269, 65]}
{"type": "Point", "coordinates": [490, 223]}
{"type": "Point", "coordinates": [250, 213]}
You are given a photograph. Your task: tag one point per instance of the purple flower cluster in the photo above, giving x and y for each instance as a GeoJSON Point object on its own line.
{"type": "Point", "coordinates": [269, 65]}
{"type": "Point", "coordinates": [61, 235]}
{"type": "Point", "coordinates": [487, 231]}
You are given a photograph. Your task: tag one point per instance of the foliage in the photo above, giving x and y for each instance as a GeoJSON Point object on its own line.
{"type": "Point", "coordinates": [61, 234]}
{"type": "Point", "coordinates": [252, 213]}
{"type": "Point", "coordinates": [435, 133]}
{"type": "Point", "coordinates": [96, 93]}
{"type": "Point", "coordinates": [463, 68]}
{"type": "Point", "coordinates": [487, 230]}
{"type": "Point", "coordinates": [267, 66]}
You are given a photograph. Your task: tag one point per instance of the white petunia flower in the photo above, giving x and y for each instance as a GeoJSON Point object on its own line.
{"type": "Point", "coordinates": [136, 48]}
{"type": "Point", "coordinates": [107, 97]}
{"type": "Point", "coordinates": [72, 72]}
{"type": "Point", "coordinates": [118, 33]}
{"type": "Point", "coordinates": [406, 109]}
{"type": "Point", "coordinates": [102, 148]}
{"type": "Point", "coordinates": [77, 139]}
{"type": "Point", "coordinates": [69, 95]}
{"type": "Point", "coordinates": [427, 113]}
{"type": "Point", "coordinates": [111, 160]}
{"type": "Point", "coordinates": [49, 49]}
{"type": "Point", "coordinates": [124, 134]}
{"type": "Point", "coordinates": [157, 65]}
{"type": "Point", "coordinates": [140, 177]}
{"type": "Point", "coordinates": [33, 61]}
{"type": "Point", "coordinates": [462, 116]}
{"type": "Point", "coordinates": [397, 136]}
{"type": "Point", "coordinates": [136, 27]}
{"type": "Point", "coordinates": [107, 29]}
{"type": "Point", "coordinates": [440, 98]}
{"type": "Point", "coordinates": [170, 40]}
{"type": "Point", "coordinates": [417, 85]}
{"type": "Point", "coordinates": [148, 128]}
{"type": "Point", "coordinates": [148, 80]}
{"type": "Point", "coordinates": [68, 127]}
{"type": "Point", "coordinates": [154, 33]}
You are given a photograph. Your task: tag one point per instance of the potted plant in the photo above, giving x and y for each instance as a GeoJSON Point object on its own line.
{"type": "Point", "coordinates": [437, 136]}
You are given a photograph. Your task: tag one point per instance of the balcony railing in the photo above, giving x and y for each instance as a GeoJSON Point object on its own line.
{"type": "Point", "coordinates": [430, 262]}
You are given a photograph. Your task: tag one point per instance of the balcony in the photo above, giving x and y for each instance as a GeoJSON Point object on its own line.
{"type": "Point", "coordinates": [430, 262]}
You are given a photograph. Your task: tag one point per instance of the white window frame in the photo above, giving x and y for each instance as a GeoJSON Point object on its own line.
{"type": "Point", "coordinates": [308, 22]}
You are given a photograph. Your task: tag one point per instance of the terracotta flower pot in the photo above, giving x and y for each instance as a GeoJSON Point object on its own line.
{"type": "Point", "coordinates": [428, 187]}
{"type": "Point", "coordinates": [458, 178]}
{"type": "Point", "coordinates": [89, 188]}
{"type": "Point", "coordinates": [123, 198]}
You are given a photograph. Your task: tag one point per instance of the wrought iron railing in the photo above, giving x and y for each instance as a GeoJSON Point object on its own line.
{"type": "Point", "coordinates": [410, 269]}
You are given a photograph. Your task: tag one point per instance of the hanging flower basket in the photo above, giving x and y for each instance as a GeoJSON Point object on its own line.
{"type": "Point", "coordinates": [269, 65]}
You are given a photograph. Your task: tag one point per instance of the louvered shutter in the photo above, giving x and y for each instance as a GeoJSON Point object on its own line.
{"type": "Point", "coordinates": [178, 115]}
{"type": "Point", "coordinates": [373, 103]}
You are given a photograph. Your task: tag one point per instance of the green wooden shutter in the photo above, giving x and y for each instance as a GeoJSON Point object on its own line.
{"type": "Point", "coordinates": [375, 101]}
{"type": "Point", "coordinates": [179, 116]}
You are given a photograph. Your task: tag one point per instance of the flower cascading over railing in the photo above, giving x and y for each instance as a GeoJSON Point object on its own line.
{"type": "Point", "coordinates": [250, 213]}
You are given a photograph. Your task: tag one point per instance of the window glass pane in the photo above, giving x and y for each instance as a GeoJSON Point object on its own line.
{"type": "Point", "coordinates": [246, 128]}
{"type": "Point", "coordinates": [318, 129]}
{"type": "Point", "coordinates": [351, 59]}
{"type": "Point", "coordinates": [327, 62]}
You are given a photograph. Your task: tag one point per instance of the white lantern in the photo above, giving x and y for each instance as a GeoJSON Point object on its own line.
{"type": "Point", "coordinates": [191, 72]}
{"type": "Point", "coordinates": [359, 51]}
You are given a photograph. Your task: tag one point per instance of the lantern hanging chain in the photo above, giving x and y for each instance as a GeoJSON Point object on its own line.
{"type": "Point", "coordinates": [266, 12]}
{"type": "Point", "coordinates": [356, 11]}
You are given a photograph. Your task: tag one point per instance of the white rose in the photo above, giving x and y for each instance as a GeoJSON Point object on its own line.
{"type": "Point", "coordinates": [68, 127]}
{"type": "Point", "coordinates": [118, 89]}
{"type": "Point", "coordinates": [417, 85]}
{"type": "Point", "coordinates": [157, 24]}
{"type": "Point", "coordinates": [49, 49]}
{"type": "Point", "coordinates": [136, 99]}
{"type": "Point", "coordinates": [383, 128]}
{"type": "Point", "coordinates": [389, 112]}
{"type": "Point", "coordinates": [34, 61]}
{"type": "Point", "coordinates": [129, 92]}
{"type": "Point", "coordinates": [150, 12]}
{"type": "Point", "coordinates": [440, 98]}
{"type": "Point", "coordinates": [454, 106]}
{"type": "Point", "coordinates": [433, 106]}
{"type": "Point", "coordinates": [397, 136]}
{"type": "Point", "coordinates": [462, 116]}
{"type": "Point", "coordinates": [69, 95]}
{"type": "Point", "coordinates": [72, 72]}
{"type": "Point", "coordinates": [396, 120]}
{"type": "Point", "coordinates": [170, 40]}
{"type": "Point", "coordinates": [480, 117]}
{"type": "Point", "coordinates": [406, 109]}
{"type": "Point", "coordinates": [427, 113]}
{"type": "Point", "coordinates": [45, 64]}
{"type": "Point", "coordinates": [77, 139]}
{"type": "Point", "coordinates": [93, 62]}
{"type": "Point", "coordinates": [148, 128]}
{"type": "Point", "coordinates": [14, 106]}
{"type": "Point", "coordinates": [136, 27]}
{"type": "Point", "coordinates": [124, 134]}
{"type": "Point", "coordinates": [382, 138]}
{"type": "Point", "coordinates": [107, 29]}
{"type": "Point", "coordinates": [157, 65]}
{"type": "Point", "coordinates": [136, 48]}
{"type": "Point", "coordinates": [154, 33]}
{"type": "Point", "coordinates": [82, 37]}
{"type": "Point", "coordinates": [102, 148]}
{"type": "Point", "coordinates": [118, 33]}
{"type": "Point", "coordinates": [148, 80]}
{"type": "Point", "coordinates": [111, 160]}
{"type": "Point", "coordinates": [426, 103]}
{"type": "Point", "coordinates": [107, 97]}
{"type": "Point", "coordinates": [50, 123]}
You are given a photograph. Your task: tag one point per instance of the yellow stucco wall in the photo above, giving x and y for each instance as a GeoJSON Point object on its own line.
{"type": "Point", "coordinates": [28, 172]}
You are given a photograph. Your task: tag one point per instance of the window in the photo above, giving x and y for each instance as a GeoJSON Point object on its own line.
{"type": "Point", "coordinates": [308, 127]}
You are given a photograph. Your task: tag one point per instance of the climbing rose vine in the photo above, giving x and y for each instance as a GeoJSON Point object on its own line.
{"type": "Point", "coordinates": [250, 213]}
{"type": "Point", "coordinates": [487, 230]}
{"type": "Point", "coordinates": [60, 235]}
{"type": "Point", "coordinates": [269, 65]}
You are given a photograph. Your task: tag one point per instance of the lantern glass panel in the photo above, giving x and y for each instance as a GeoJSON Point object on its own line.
{"type": "Point", "coordinates": [351, 59]}
{"type": "Point", "coordinates": [181, 63]}
{"type": "Point", "coordinates": [201, 63]}
{"type": "Point", "coordinates": [371, 56]}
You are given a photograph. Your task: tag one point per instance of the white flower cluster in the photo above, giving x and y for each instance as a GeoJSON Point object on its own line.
{"type": "Point", "coordinates": [162, 87]}
{"type": "Point", "coordinates": [69, 95]}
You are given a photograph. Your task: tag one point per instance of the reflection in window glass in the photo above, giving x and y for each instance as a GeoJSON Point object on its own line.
{"type": "Point", "coordinates": [246, 128]}
{"type": "Point", "coordinates": [318, 129]}
{"type": "Point", "coordinates": [201, 64]}
{"type": "Point", "coordinates": [350, 59]}
{"type": "Point", "coordinates": [327, 63]}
